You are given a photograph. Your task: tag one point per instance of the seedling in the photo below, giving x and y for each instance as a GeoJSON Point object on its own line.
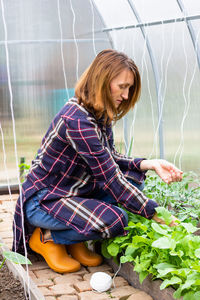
{"type": "Point", "coordinates": [14, 257]}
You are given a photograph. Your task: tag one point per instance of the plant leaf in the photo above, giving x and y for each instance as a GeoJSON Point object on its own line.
{"type": "Point", "coordinates": [126, 258]}
{"type": "Point", "coordinates": [113, 249]}
{"type": "Point", "coordinates": [167, 282]}
{"type": "Point", "coordinates": [142, 276]}
{"type": "Point", "coordinates": [104, 250]}
{"type": "Point", "coordinates": [164, 214]}
{"type": "Point", "coordinates": [178, 253]}
{"type": "Point", "coordinates": [197, 252]}
{"type": "Point", "coordinates": [165, 268]}
{"type": "Point", "coordinates": [187, 284]}
{"type": "Point", "coordinates": [164, 243]}
{"type": "Point", "coordinates": [159, 229]}
{"type": "Point", "coordinates": [192, 296]}
{"type": "Point", "coordinates": [130, 249]}
{"type": "Point", "coordinates": [140, 239]}
{"type": "Point", "coordinates": [16, 258]}
{"type": "Point", "coordinates": [177, 293]}
{"type": "Point", "coordinates": [189, 227]}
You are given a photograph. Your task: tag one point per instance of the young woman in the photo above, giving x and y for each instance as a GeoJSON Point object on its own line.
{"type": "Point", "coordinates": [72, 191]}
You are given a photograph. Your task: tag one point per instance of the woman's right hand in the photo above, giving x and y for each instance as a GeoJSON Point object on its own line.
{"type": "Point", "coordinates": [161, 221]}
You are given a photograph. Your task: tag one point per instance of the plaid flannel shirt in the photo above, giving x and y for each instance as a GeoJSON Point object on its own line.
{"type": "Point", "coordinates": [77, 158]}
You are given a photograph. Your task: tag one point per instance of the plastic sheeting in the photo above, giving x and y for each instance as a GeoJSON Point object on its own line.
{"type": "Point", "coordinates": [50, 43]}
{"type": "Point", "coordinates": [46, 53]}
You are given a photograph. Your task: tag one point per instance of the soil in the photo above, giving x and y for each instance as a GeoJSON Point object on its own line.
{"type": "Point", "coordinates": [10, 287]}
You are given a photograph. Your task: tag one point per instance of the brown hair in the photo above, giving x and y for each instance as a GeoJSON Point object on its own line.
{"type": "Point", "coordinates": [93, 87]}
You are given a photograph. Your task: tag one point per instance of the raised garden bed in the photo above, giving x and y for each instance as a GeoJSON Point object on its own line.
{"type": "Point", "coordinates": [10, 287]}
{"type": "Point", "coordinates": [158, 251]}
{"type": "Point", "coordinates": [149, 286]}
{"type": "Point", "coordinates": [15, 283]}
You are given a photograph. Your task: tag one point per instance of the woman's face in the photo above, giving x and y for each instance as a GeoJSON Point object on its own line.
{"type": "Point", "coordinates": [120, 85]}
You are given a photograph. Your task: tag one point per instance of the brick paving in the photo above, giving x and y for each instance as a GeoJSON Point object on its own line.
{"type": "Point", "coordinates": [71, 286]}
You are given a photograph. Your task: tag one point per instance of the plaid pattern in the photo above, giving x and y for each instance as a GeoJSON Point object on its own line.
{"type": "Point", "coordinates": [77, 158]}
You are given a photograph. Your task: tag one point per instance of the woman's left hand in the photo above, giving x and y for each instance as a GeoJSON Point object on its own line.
{"type": "Point", "coordinates": [166, 170]}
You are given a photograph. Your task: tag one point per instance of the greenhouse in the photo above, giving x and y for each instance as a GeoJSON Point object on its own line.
{"type": "Point", "coordinates": [46, 46]}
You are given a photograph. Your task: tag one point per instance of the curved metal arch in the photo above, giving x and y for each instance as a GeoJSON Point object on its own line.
{"type": "Point", "coordinates": [153, 23]}
{"type": "Point", "coordinates": [100, 16]}
{"type": "Point", "coordinates": [191, 31]}
{"type": "Point", "coordinates": [157, 80]}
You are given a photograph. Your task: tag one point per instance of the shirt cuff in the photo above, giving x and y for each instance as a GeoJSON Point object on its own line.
{"type": "Point", "coordinates": [137, 162]}
{"type": "Point", "coordinates": [149, 209]}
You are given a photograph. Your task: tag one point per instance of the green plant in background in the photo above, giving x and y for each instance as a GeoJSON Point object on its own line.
{"type": "Point", "coordinates": [182, 198]}
{"type": "Point", "coordinates": [169, 253]}
{"type": "Point", "coordinates": [23, 169]}
{"type": "Point", "coordinates": [130, 146]}
{"type": "Point", "coordinates": [14, 257]}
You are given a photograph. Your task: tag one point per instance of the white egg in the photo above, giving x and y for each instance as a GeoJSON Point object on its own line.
{"type": "Point", "coordinates": [101, 281]}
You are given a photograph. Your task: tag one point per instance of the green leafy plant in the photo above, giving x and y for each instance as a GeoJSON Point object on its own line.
{"type": "Point", "coordinates": [169, 253]}
{"type": "Point", "coordinates": [23, 169]}
{"type": "Point", "coordinates": [14, 257]}
{"type": "Point", "coordinates": [181, 198]}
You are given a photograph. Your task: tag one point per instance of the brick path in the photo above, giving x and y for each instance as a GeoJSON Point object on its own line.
{"type": "Point", "coordinates": [71, 286]}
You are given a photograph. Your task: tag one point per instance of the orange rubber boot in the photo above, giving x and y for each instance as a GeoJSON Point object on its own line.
{"type": "Point", "coordinates": [82, 254]}
{"type": "Point", "coordinates": [55, 254]}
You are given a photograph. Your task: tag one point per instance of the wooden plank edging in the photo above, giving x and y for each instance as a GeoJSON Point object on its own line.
{"type": "Point", "coordinates": [151, 287]}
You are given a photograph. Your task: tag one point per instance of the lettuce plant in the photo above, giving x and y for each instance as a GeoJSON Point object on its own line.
{"type": "Point", "coordinates": [169, 253]}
